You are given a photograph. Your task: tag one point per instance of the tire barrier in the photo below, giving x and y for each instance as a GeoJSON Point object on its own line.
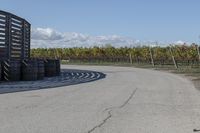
{"type": "Point", "coordinates": [29, 70]}
{"type": "Point", "coordinates": [11, 70]}
{"type": "Point", "coordinates": [57, 67]}
{"type": "Point", "coordinates": [41, 70]}
{"type": "Point", "coordinates": [66, 78]}
{"type": "Point", "coordinates": [50, 68]}
{"type": "Point", "coordinates": [0, 71]}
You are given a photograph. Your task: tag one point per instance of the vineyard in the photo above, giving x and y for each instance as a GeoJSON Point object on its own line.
{"type": "Point", "coordinates": [176, 55]}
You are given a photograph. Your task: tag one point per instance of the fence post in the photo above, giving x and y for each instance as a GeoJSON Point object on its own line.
{"type": "Point", "coordinates": [198, 52]}
{"type": "Point", "coordinates": [151, 55]}
{"type": "Point", "coordinates": [174, 61]}
{"type": "Point", "coordinates": [130, 58]}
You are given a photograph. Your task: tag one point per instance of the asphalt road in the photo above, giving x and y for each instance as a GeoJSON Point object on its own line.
{"type": "Point", "coordinates": [128, 100]}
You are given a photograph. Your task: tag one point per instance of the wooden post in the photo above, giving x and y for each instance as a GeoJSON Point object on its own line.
{"type": "Point", "coordinates": [151, 55]}
{"type": "Point", "coordinates": [55, 53]}
{"type": "Point", "coordinates": [130, 57]}
{"type": "Point", "coordinates": [198, 52]}
{"type": "Point", "coordinates": [175, 64]}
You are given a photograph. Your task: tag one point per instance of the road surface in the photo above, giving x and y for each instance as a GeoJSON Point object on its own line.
{"type": "Point", "coordinates": [128, 100]}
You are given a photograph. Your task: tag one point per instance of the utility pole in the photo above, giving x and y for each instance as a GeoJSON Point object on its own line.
{"type": "Point", "coordinates": [174, 61]}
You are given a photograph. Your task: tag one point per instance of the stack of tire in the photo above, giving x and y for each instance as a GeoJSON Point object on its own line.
{"type": "Point", "coordinates": [41, 70]}
{"type": "Point", "coordinates": [0, 72]}
{"type": "Point", "coordinates": [29, 70]}
{"type": "Point", "coordinates": [50, 68]}
{"type": "Point", "coordinates": [11, 70]}
{"type": "Point", "coordinates": [57, 67]}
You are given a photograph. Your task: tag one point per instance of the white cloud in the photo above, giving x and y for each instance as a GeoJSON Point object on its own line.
{"type": "Point", "coordinates": [47, 37]}
{"type": "Point", "coordinates": [180, 42]}
{"type": "Point", "coordinates": [45, 34]}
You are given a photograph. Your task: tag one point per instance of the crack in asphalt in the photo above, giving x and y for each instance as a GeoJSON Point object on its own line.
{"type": "Point", "coordinates": [196, 130]}
{"type": "Point", "coordinates": [102, 123]}
{"type": "Point", "coordinates": [130, 97]}
{"type": "Point", "coordinates": [110, 112]}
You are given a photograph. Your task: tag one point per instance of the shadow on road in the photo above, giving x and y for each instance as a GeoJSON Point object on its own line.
{"type": "Point", "coordinates": [67, 77]}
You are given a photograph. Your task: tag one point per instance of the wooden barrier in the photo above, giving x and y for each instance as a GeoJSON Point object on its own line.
{"type": "Point", "coordinates": [11, 70]}
{"type": "Point", "coordinates": [0, 72]}
{"type": "Point", "coordinates": [41, 70]}
{"type": "Point", "coordinates": [50, 68]}
{"type": "Point", "coordinates": [15, 52]}
{"type": "Point", "coordinates": [57, 67]}
{"type": "Point", "coordinates": [14, 37]}
{"type": "Point", "coordinates": [29, 70]}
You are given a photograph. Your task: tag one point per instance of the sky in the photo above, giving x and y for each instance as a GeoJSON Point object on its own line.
{"type": "Point", "coordinates": [121, 22]}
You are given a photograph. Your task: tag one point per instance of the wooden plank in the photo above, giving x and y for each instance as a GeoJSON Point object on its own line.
{"type": "Point", "coordinates": [2, 40]}
{"type": "Point", "coordinates": [16, 30]}
{"type": "Point", "coordinates": [2, 35]}
{"type": "Point", "coordinates": [1, 26]}
{"type": "Point", "coordinates": [16, 34]}
{"type": "Point", "coordinates": [16, 52]}
{"type": "Point", "coordinates": [16, 26]}
{"type": "Point", "coordinates": [16, 37]}
{"type": "Point", "coordinates": [16, 22]}
{"type": "Point", "coordinates": [16, 49]}
{"type": "Point", "coordinates": [16, 41]}
{"type": "Point", "coordinates": [2, 45]}
{"type": "Point", "coordinates": [2, 22]}
{"type": "Point", "coordinates": [19, 46]}
{"type": "Point", "coordinates": [16, 45]}
{"type": "Point", "coordinates": [1, 31]}
{"type": "Point", "coordinates": [3, 18]}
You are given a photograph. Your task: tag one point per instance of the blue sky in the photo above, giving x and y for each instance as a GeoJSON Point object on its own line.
{"type": "Point", "coordinates": [156, 20]}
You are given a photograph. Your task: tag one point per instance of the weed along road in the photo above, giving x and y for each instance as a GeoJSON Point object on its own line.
{"type": "Point", "coordinates": [127, 100]}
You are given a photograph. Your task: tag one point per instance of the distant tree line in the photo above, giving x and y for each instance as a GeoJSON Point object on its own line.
{"type": "Point", "coordinates": [140, 54]}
